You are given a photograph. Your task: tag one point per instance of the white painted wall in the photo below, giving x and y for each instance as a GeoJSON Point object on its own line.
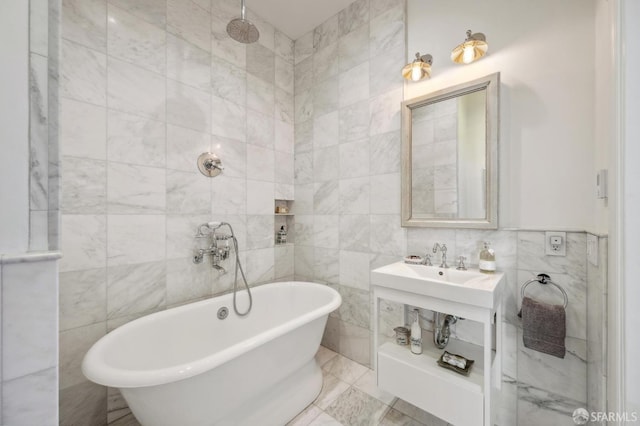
{"type": "Point", "coordinates": [631, 201]}
{"type": "Point", "coordinates": [14, 126]}
{"type": "Point", "coordinates": [547, 144]}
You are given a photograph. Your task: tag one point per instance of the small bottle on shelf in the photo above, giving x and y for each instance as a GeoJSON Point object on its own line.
{"type": "Point", "coordinates": [487, 262]}
{"type": "Point", "coordinates": [416, 335]}
{"type": "Point", "coordinates": [282, 236]}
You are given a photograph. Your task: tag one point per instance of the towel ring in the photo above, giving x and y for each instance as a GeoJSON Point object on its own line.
{"type": "Point", "coordinates": [545, 279]}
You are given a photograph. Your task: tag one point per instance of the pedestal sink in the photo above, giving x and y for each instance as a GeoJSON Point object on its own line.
{"type": "Point", "coordinates": [418, 379]}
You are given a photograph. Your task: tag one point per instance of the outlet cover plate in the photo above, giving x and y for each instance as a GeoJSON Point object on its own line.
{"type": "Point", "coordinates": [561, 250]}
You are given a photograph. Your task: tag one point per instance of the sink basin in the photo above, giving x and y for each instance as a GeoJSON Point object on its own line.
{"type": "Point", "coordinates": [470, 287]}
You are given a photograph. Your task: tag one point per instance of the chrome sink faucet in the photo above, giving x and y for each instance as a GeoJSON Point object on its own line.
{"type": "Point", "coordinates": [443, 250]}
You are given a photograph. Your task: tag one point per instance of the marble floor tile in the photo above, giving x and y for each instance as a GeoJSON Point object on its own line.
{"type": "Point", "coordinates": [396, 418]}
{"type": "Point", "coordinates": [325, 420]}
{"type": "Point", "coordinates": [355, 407]}
{"type": "Point", "coordinates": [332, 388]}
{"type": "Point", "coordinates": [128, 420]}
{"type": "Point", "coordinates": [416, 413]}
{"type": "Point", "coordinates": [306, 417]}
{"type": "Point", "coordinates": [324, 355]}
{"type": "Point", "coordinates": [345, 369]}
{"type": "Point", "coordinates": [367, 384]}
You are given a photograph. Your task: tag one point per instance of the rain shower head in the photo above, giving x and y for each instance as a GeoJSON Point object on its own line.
{"type": "Point", "coordinates": [242, 30]}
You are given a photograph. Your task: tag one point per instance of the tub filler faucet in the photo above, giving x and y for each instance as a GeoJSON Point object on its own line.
{"type": "Point", "coordinates": [443, 250]}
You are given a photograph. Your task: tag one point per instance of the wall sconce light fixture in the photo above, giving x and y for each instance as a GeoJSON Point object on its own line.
{"type": "Point", "coordinates": [473, 48]}
{"type": "Point", "coordinates": [418, 69]}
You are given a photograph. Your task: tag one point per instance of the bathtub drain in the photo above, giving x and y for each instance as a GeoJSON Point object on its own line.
{"type": "Point", "coordinates": [223, 312]}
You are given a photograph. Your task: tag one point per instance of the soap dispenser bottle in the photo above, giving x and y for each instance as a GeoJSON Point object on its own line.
{"type": "Point", "coordinates": [416, 334]}
{"type": "Point", "coordinates": [487, 262]}
{"type": "Point", "coordinates": [282, 236]}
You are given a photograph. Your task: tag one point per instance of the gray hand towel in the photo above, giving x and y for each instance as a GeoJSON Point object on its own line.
{"type": "Point", "coordinates": [543, 326]}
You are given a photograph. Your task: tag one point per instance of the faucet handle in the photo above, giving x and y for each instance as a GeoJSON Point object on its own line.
{"type": "Point", "coordinates": [443, 248]}
{"type": "Point", "coordinates": [427, 259]}
{"type": "Point", "coordinates": [461, 266]}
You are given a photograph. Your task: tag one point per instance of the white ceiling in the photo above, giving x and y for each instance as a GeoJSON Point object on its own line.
{"type": "Point", "coordinates": [296, 17]}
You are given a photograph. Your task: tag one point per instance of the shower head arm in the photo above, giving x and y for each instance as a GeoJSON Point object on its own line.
{"type": "Point", "coordinates": [243, 11]}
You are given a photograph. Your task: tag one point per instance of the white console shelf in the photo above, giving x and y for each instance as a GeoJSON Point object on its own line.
{"type": "Point", "coordinates": [419, 380]}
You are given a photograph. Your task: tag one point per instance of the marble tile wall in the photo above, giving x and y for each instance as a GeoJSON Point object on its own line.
{"type": "Point", "coordinates": [145, 88]}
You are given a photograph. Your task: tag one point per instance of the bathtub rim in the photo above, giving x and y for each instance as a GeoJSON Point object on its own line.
{"type": "Point", "coordinates": [95, 368]}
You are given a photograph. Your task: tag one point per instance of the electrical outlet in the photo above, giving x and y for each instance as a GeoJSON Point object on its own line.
{"type": "Point", "coordinates": [555, 243]}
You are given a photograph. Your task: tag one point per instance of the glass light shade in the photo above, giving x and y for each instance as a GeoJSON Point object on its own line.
{"type": "Point", "coordinates": [417, 70]}
{"type": "Point", "coordinates": [473, 48]}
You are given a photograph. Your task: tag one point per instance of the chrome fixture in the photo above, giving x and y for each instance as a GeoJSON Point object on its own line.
{"type": "Point", "coordinates": [209, 164]}
{"type": "Point", "coordinates": [223, 313]}
{"type": "Point", "coordinates": [443, 250]}
{"type": "Point", "coordinates": [441, 330]}
{"type": "Point", "coordinates": [418, 69]}
{"type": "Point", "coordinates": [461, 265]}
{"type": "Point", "coordinates": [218, 254]}
{"type": "Point", "coordinates": [471, 49]}
{"type": "Point", "coordinates": [241, 29]}
{"type": "Point", "coordinates": [427, 259]}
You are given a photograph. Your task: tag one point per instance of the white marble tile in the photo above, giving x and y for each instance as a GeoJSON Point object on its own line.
{"type": "Point", "coordinates": [228, 81]}
{"type": "Point", "coordinates": [180, 236]}
{"type": "Point", "coordinates": [303, 199]}
{"type": "Point", "coordinates": [353, 48]}
{"type": "Point", "coordinates": [29, 309]}
{"type": "Point", "coordinates": [353, 85]}
{"type": "Point", "coordinates": [537, 406]}
{"type": "Point", "coordinates": [38, 133]}
{"type": "Point", "coordinates": [228, 119]}
{"type": "Point", "coordinates": [387, 31]}
{"type": "Point", "coordinates": [326, 33]}
{"type": "Point", "coordinates": [83, 129]}
{"type": "Point", "coordinates": [354, 232]}
{"type": "Point", "coordinates": [261, 63]}
{"type": "Point", "coordinates": [260, 163]}
{"type": "Point", "coordinates": [394, 417]}
{"type": "Point", "coordinates": [84, 186]}
{"type": "Point", "coordinates": [260, 95]}
{"type": "Point", "coordinates": [344, 369]}
{"type": "Point", "coordinates": [385, 194]}
{"type": "Point", "coordinates": [190, 22]}
{"type": "Point", "coordinates": [284, 191]}
{"type": "Point", "coordinates": [187, 193]}
{"type": "Point", "coordinates": [325, 63]}
{"type": "Point", "coordinates": [303, 75]}
{"type": "Point", "coordinates": [259, 232]}
{"type": "Point", "coordinates": [83, 74]}
{"type": "Point", "coordinates": [84, 242]}
{"type": "Point", "coordinates": [31, 400]}
{"type": "Point", "coordinates": [326, 198]}
{"type": "Point", "coordinates": [325, 96]}
{"type": "Point", "coordinates": [354, 196]}
{"type": "Point", "coordinates": [260, 196]}
{"type": "Point", "coordinates": [86, 402]}
{"type": "Point", "coordinates": [303, 102]}
{"type": "Point", "coordinates": [354, 269]}
{"type": "Point", "coordinates": [324, 164]}
{"type": "Point", "coordinates": [284, 75]}
{"type": "Point", "coordinates": [384, 76]}
{"type": "Point", "coordinates": [189, 64]}
{"type": "Point", "coordinates": [187, 281]}
{"type": "Point", "coordinates": [303, 47]}
{"type": "Point", "coordinates": [355, 306]}
{"type": "Point", "coordinates": [326, 130]}
{"type": "Point", "coordinates": [284, 107]}
{"type": "Point", "coordinates": [38, 230]}
{"type": "Point", "coordinates": [384, 152]}
{"type": "Point", "coordinates": [354, 159]}
{"type": "Point", "coordinates": [326, 265]}
{"type": "Point", "coordinates": [357, 407]}
{"type": "Point", "coordinates": [74, 344]}
{"type": "Point", "coordinates": [39, 27]}
{"type": "Point", "coordinates": [134, 40]}
{"type": "Point", "coordinates": [188, 107]}
{"type": "Point", "coordinates": [388, 238]}
{"type": "Point", "coordinates": [260, 129]}
{"type": "Point", "coordinates": [133, 289]}
{"type": "Point", "coordinates": [83, 298]}
{"type": "Point", "coordinates": [283, 46]}
{"type": "Point", "coordinates": [332, 388]}
{"type": "Point", "coordinates": [284, 168]}
{"type": "Point", "coordinates": [353, 16]}
{"type": "Point", "coordinates": [303, 168]}
{"type": "Point", "coordinates": [184, 146]}
{"type": "Point", "coordinates": [152, 11]}
{"type": "Point", "coordinates": [384, 112]}
{"type": "Point", "coordinates": [136, 189]}
{"type": "Point", "coordinates": [284, 261]}
{"type": "Point", "coordinates": [531, 254]}
{"type": "Point", "coordinates": [417, 414]}
{"type": "Point", "coordinates": [233, 153]}
{"type": "Point", "coordinates": [229, 195]}
{"type": "Point", "coordinates": [326, 231]}
{"type": "Point", "coordinates": [85, 22]}
{"type": "Point", "coordinates": [259, 269]}
{"type": "Point", "coordinates": [354, 122]}
{"type": "Point", "coordinates": [135, 90]}
{"type": "Point", "coordinates": [306, 416]}
{"type": "Point", "coordinates": [135, 140]}
{"type": "Point", "coordinates": [135, 239]}
{"type": "Point", "coordinates": [304, 230]}
{"type": "Point", "coordinates": [377, 7]}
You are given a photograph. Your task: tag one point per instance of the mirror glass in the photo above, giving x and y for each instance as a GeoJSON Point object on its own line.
{"type": "Point", "coordinates": [449, 157]}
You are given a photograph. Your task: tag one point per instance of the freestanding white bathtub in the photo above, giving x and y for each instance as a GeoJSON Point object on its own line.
{"type": "Point", "coordinates": [184, 366]}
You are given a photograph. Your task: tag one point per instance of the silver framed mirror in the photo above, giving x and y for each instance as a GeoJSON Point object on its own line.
{"type": "Point", "coordinates": [449, 167]}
